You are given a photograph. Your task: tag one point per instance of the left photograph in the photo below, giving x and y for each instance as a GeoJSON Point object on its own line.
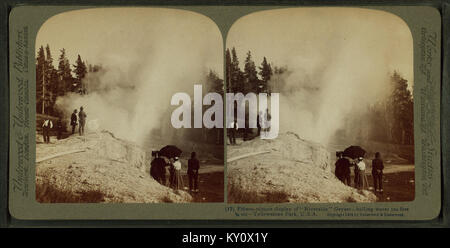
{"type": "Point", "coordinates": [107, 84]}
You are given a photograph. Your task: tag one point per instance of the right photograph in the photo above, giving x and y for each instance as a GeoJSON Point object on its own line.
{"type": "Point", "coordinates": [320, 107]}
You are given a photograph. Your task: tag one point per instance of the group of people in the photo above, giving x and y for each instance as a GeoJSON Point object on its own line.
{"type": "Point", "coordinates": [75, 119]}
{"type": "Point", "coordinates": [160, 165]}
{"type": "Point", "coordinates": [342, 171]}
{"type": "Point", "coordinates": [78, 119]}
{"type": "Point", "coordinates": [262, 124]}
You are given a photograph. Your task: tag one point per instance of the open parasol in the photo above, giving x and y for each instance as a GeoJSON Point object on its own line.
{"type": "Point", "coordinates": [170, 151]}
{"type": "Point", "coordinates": [354, 152]}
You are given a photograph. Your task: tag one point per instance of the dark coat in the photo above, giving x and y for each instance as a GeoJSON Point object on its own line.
{"type": "Point", "coordinates": [73, 119]}
{"type": "Point", "coordinates": [342, 167]}
{"type": "Point", "coordinates": [193, 166]}
{"type": "Point", "coordinates": [377, 164]}
{"type": "Point", "coordinates": [157, 168]}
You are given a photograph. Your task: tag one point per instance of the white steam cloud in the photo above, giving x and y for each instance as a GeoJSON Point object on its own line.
{"type": "Point", "coordinates": [147, 56]}
{"type": "Point", "coordinates": [339, 62]}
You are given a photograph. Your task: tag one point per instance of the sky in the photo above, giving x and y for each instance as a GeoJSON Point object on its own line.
{"type": "Point", "coordinates": [284, 36]}
{"type": "Point", "coordinates": [100, 33]}
{"type": "Point", "coordinates": [309, 36]}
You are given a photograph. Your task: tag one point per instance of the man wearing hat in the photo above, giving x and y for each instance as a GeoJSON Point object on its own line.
{"type": "Point", "coordinates": [193, 167]}
{"type": "Point", "coordinates": [46, 127]}
{"type": "Point", "coordinates": [377, 172]}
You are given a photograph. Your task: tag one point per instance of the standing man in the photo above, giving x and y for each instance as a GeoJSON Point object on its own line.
{"type": "Point", "coordinates": [233, 130]}
{"type": "Point", "coordinates": [267, 118]}
{"type": "Point", "coordinates": [82, 120]}
{"type": "Point", "coordinates": [193, 167]}
{"type": "Point", "coordinates": [259, 121]}
{"type": "Point", "coordinates": [74, 120]}
{"type": "Point", "coordinates": [46, 130]}
{"type": "Point", "coordinates": [377, 172]}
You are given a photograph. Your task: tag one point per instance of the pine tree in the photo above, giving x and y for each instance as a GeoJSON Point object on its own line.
{"type": "Point", "coordinates": [228, 70]}
{"type": "Point", "coordinates": [61, 72]}
{"type": "Point", "coordinates": [265, 73]}
{"type": "Point", "coordinates": [399, 107]}
{"type": "Point", "coordinates": [40, 90]}
{"type": "Point", "coordinates": [394, 116]}
{"type": "Point", "coordinates": [52, 82]}
{"type": "Point", "coordinates": [80, 71]}
{"type": "Point", "coordinates": [237, 76]}
{"type": "Point", "coordinates": [69, 81]}
{"type": "Point", "coordinates": [251, 75]}
{"type": "Point", "coordinates": [64, 74]}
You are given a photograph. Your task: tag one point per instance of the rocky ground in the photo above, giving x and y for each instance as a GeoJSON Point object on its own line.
{"type": "Point", "coordinates": [290, 170]}
{"type": "Point", "coordinates": [101, 168]}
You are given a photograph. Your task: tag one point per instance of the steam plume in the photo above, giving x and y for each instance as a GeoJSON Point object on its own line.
{"type": "Point", "coordinates": [147, 56]}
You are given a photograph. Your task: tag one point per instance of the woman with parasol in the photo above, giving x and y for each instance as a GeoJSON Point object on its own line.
{"type": "Point", "coordinates": [356, 154]}
{"type": "Point", "coordinates": [177, 182]}
{"type": "Point", "coordinates": [173, 153]}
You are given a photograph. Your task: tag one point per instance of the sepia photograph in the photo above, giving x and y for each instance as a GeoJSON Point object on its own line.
{"type": "Point", "coordinates": [223, 115]}
{"type": "Point", "coordinates": [326, 108]}
{"type": "Point", "coordinates": [105, 107]}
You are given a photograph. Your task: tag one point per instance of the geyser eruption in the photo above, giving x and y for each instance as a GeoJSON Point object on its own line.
{"type": "Point", "coordinates": [315, 103]}
{"type": "Point", "coordinates": [337, 62]}
{"type": "Point", "coordinates": [144, 61]}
